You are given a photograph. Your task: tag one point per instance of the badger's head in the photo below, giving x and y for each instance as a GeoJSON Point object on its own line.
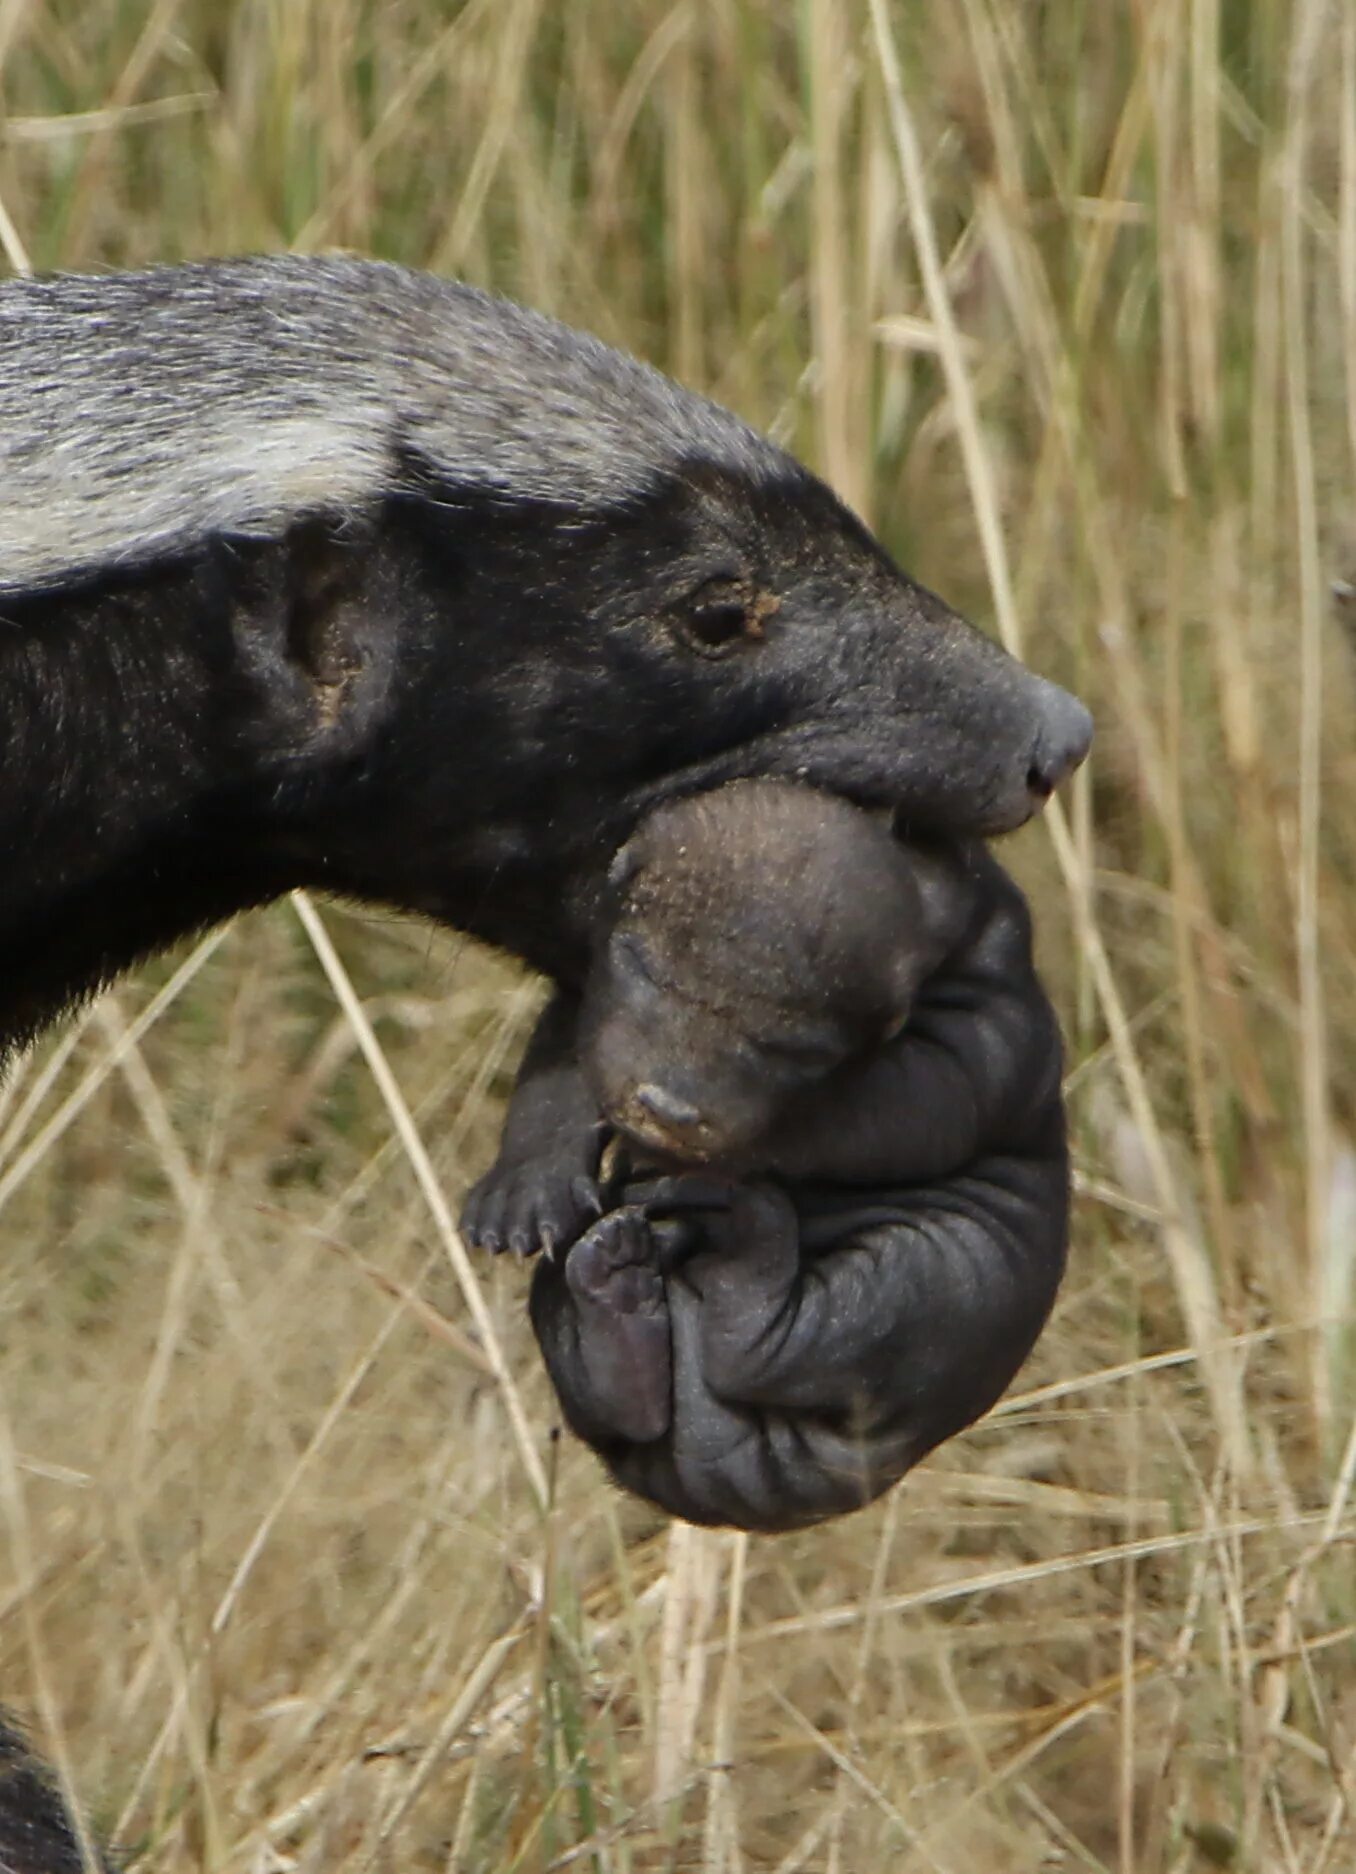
{"type": "Point", "coordinates": [724, 624]}
{"type": "Point", "coordinates": [542, 589]}
{"type": "Point", "coordinates": [716, 626]}
{"type": "Point", "coordinates": [668, 601]}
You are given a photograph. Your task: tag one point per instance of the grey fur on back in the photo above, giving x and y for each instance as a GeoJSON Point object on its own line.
{"type": "Point", "coordinates": [143, 412]}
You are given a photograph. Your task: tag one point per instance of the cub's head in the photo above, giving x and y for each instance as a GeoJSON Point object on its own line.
{"type": "Point", "coordinates": [763, 935]}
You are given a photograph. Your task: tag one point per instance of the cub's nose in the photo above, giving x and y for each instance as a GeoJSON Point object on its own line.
{"type": "Point", "coordinates": [672, 1112]}
{"type": "Point", "coordinates": [661, 1119]}
{"type": "Point", "coordinates": [1062, 744]}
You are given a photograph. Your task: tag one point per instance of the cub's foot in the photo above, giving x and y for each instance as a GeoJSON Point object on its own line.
{"type": "Point", "coordinates": [620, 1358]}
{"type": "Point", "coordinates": [614, 1266]}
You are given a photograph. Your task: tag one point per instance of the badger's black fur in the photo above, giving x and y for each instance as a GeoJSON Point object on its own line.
{"type": "Point", "coordinates": [36, 1834]}
{"type": "Point", "coordinates": [320, 572]}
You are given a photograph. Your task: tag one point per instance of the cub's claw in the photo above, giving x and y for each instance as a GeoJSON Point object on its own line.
{"type": "Point", "coordinates": [530, 1207]}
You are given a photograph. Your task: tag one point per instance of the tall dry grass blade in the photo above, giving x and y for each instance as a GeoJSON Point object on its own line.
{"type": "Point", "coordinates": [978, 468]}
{"type": "Point", "coordinates": [149, 46]}
{"type": "Point", "coordinates": [516, 21]}
{"type": "Point", "coordinates": [200, 1243]}
{"type": "Point", "coordinates": [392, 123]}
{"type": "Point", "coordinates": [686, 194]}
{"type": "Point", "coordinates": [844, 452]}
{"type": "Point", "coordinates": [1313, 1071]}
{"type": "Point", "coordinates": [832, 1619]}
{"type": "Point", "coordinates": [80, 1096]}
{"type": "Point", "coordinates": [691, 1579]}
{"type": "Point", "coordinates": [856, 1691]}
{"type": "Point", "coordinates": [721, 1853]}
{"type": "Point", "coordinates": [1346, 218]}
{"type": "Point", "coordinates": [189, 1672]}
{"type": "Point", "coordinates": [919, 1850]}
{"type": "Point", "coordinates": [259, 1539]}
{"type": "Point", "coordinates": [16, 1115]}
{"type": "Point", "coordinates": [10, 243]}
{"type": "Point", "coordinates": [479, 1682]}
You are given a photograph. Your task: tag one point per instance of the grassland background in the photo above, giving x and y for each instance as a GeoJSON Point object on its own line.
{"type": "Point", "coordinates": [1065, 302]}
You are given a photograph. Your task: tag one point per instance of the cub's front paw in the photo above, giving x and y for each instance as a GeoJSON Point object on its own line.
{"type": "Point", "coordinates": [524, 1208]}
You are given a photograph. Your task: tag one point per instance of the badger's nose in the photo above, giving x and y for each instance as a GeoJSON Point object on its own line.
{"type": "Point", "coordinates": [1062, 744]}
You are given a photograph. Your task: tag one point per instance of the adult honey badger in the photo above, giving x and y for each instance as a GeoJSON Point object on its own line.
{"type": "Point", "coordinates": [320, 572]}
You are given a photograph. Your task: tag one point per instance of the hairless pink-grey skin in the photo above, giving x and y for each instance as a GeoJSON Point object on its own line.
{"type": "Point", "coordinates": [877, 1230]}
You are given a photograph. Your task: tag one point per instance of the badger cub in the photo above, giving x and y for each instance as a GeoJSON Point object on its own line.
{"type": "Point", "coordinates": [766, 937]}
{"type": "Point", "coordinates": [798, 1152]}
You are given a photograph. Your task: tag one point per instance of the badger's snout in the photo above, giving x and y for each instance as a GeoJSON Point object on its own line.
{"type": "Point", "coordinates": [1062, 742]}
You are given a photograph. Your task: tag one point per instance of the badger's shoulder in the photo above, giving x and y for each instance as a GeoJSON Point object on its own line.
{"type": "Point", "coordinates": [141, 413]}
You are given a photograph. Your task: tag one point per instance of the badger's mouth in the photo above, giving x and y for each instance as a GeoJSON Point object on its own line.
{"type": "Point", "coordinates": [1007, 807]}
{"type": "Point", "coordinates": [870, 762]}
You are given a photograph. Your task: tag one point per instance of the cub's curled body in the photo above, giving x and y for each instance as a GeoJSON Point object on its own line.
{"type": "Point", "coordinates": [847, 1034]}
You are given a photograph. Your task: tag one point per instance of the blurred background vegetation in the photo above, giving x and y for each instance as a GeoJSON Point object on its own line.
{"type": "Point", "coordinates": [1062, 296]}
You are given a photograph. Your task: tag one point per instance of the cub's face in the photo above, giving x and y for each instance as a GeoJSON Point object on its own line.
{"type": "Point", "coordinates": [765, 934]}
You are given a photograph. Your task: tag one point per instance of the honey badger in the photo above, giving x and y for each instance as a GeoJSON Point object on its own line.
{"type": "Point", "coordinates": [320, 572]}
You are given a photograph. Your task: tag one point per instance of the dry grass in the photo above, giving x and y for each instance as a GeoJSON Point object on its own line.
{"type": "Point", "coordinates": [1077, 283]}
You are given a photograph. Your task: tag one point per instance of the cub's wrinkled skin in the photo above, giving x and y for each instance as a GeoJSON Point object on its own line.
{"type": "Point", "coordinates": [880, 1231]}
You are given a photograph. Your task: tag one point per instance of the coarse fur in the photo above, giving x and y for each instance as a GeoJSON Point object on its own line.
{"type": "Point", "coordinates": [319, 572]}
{"type": "Point", "coordinates": [37, 1835]}
{"type": "Point", "coordinates": [316, 385]}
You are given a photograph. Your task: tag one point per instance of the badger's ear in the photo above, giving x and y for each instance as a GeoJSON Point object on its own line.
{"type": "Point", "coordinates": [317, 621]}
{"type": "Point", "coordinates": [341, 625]}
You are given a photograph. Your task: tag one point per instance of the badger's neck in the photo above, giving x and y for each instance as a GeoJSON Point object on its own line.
{"type": "Point", "coordinates": [182, 743]}
{"type": "Point", "coordinates": [126, 794]}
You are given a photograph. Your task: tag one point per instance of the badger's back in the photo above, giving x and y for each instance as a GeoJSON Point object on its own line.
{"type": "Point", "coordinates": [143, 412]}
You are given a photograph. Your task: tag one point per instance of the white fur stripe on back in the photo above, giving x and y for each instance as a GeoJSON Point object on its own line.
{"type": "Point", "coordinates": [142, 412]}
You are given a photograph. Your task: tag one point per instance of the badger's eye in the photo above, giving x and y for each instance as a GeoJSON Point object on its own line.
{"type": "Point", "coordinates": [718, 621]}
{"type": "Point", "coordinates": [720, 624]}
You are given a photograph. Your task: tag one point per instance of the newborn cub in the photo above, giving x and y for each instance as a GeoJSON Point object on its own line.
{"type": "Point", "coordinates": [845, 1035]}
